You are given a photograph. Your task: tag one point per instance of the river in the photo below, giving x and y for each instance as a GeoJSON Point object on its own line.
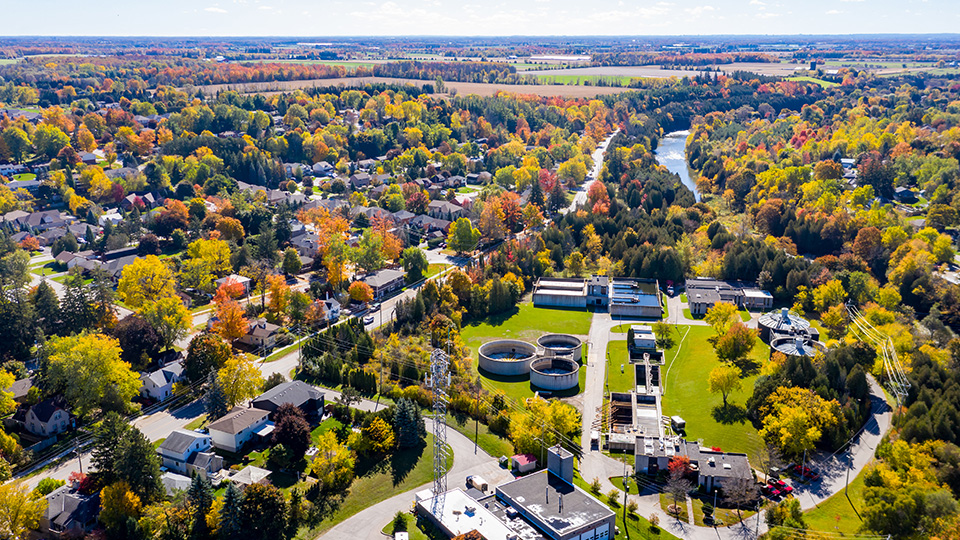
{"type": "Point", "coordinates": [671, 153]}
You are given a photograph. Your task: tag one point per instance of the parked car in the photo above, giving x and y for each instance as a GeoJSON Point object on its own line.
{"type": "Point", "coordinates": [368, 319]}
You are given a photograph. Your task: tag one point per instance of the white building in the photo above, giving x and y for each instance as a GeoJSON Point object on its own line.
{"type": "Point", "coordinates": [237, 427]}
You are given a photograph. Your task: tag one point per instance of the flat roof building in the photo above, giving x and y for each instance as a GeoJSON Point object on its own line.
{"type": "Point", "coordinates": [703, 293]}
{"type": "Point", "coordinates": [623, 297]}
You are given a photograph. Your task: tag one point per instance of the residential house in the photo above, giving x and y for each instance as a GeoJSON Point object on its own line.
{"type": "Point", "coordinates": [69, 513]}
{"type": "Point", "coordinates": [30, 185]}
{"type": "Point", "coordinates": [188, 452]}
{"type": "Point", "coordinates": [906, 195]}
{"type": "Point", "coordinates": [445, 210]}
{"type": "Point", "coordinates": [322, 168]}
{"type": "Point", "coordinates": [384, 282]}
{"type": "Point", "coordinates": [366, 164]}
{"type": "Point", "coordinates": [237, 427]}
{"type": "Point", "coordinates": [332, 309]}
{"type": "Point", "coordinates": [250, 475]}
{"type": "Point", "coordinates": [403, 217]}
{"type": "Point", "coordinates": [49, 237]}
{"type": "Point", "coordinates": [307, 244]}
{"type": "Point", "coordinates": [88, 158]}
{"type": "Point", "coordinates": [158, 385]}
{"type": "Point", "coordinates": [360, 180]}
{"type": "Point", "coordinates": [20, 389]}
{"type": "Point", "coordinates": [307, 398]}
{"type": "Point", "coordinates": [47, 418]}
{"type": "Point", "coordinates": [236, 278]}
{"type": "Point", "coordinates": [260, 333]}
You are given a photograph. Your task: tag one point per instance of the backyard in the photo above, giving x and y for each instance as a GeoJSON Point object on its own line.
{"type": "Point", "coordinates": [527, 323]}
{"type": "Point", "coordinates": [686, 394]}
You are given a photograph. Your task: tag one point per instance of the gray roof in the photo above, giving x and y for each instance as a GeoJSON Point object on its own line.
{"type": "Point", "coordinates": [539, 495]}
{"type": "Point", "coordinates": [383, 277]}
{"type": "Point", "coordinates": [295, 392]}
{"type": "Point", "coordinates": [173, 482]}
{"type": "Point", "coordinates": [238, 419]}
{"type": "Point", "coordinates": [66, 507]}
{"type": "Point", "coordinates": [180, 440]}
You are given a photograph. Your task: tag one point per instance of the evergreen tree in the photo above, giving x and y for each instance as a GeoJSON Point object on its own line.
{"type": "Point", "coordinates": [408, 423]}
{"type": "Point", "coordinates": [215, 400]}
{"type": "Point", "coordinates": [106, 446]}
{"type": "Point", "coordinates": [47, 308]}
{"type": "Point", "coordinates": [231, 514]}
{"type": "Point", "coordinates": [536, 193]}
{"type": "Point", "coordinates": [76, 311]}
{"type": "Point", "coordinates": [139, 465]}
{"type": "Point", "coordinates": [200, 496]}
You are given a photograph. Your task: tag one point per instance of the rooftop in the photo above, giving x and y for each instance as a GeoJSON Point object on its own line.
{"type": "Point", "coordinates": [238, 420]}
{"type": "Point", "coordinates": [461, 514]}
{"type": "Point", "coordinates": [554, 505]}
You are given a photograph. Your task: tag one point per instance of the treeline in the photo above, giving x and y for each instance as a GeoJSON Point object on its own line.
{"type": "Point", "coordinates": [478, 72]}
{"type": "Point", "coordinates": [678, 59]}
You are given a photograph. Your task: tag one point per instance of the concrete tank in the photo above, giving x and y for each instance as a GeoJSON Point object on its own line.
{"type": "Point", "coordinates": [554, 373]}
{"type": "Point", "coordinates": [509, 357]}
{"type": "Point", "coordinates": [774, 323]}
{"type": "Point", "coordinates": [563, 345]}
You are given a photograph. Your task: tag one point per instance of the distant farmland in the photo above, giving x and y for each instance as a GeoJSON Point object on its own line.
{"type": "Point", "coordinates": [481, 89]}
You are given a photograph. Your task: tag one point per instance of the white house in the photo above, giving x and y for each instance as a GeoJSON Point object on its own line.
{"type": "Point", "coordinates": [187, 452]}
{"type": "Point", "coordinates": [237, 427]}
{"type": "Point", "coordinates": [158, 384]}
{"type": "Point", "coordinates": [332, 308]}
{"type": "Point", "coordinates": [46, 418]}
{"type": "Point", "coordinates": [260, 333]}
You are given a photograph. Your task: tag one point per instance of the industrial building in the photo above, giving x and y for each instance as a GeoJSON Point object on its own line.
{"type": "Point", "coordinates": [712, 468]}
{"type": "Point", "coordinates": [623, 297]}
{"type": "Point", "coordinates": [790, 334]}
{"type": "Point", "coordinates": [543, 505]}
{"type": "Point", "coordinates": [703, 293]}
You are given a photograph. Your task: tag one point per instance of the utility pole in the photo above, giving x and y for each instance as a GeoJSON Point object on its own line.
{"type": "Point", "coordinates": [476, 427]}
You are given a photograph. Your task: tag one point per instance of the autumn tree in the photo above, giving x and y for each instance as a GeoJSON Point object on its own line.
{"type": "Point", "coordinates": [721, 316]}
{"type": "Point", "coordinates": [19, 512]}
{"type": "Point", "coordinates": [291, 261]}
{"type": "Point", "coordinates": [169, 317]}
{"type": "Point", "coordinates": [146, 279]}
{"type": "Point", "coordinates": [492, 221]}
{"type": "Point", "coordinates": [117, 504]}
{"type": "Point", "coordinates": [360, 292]}
{"type": "Point", "coordinates": [263, 513]}
{"type": "Point", "coordinates": [279, 297]}
{"type": "Point", "coordinates": [292, 429]}
{"type": "Point", "coordinates": [542, 425]}
{"type": "Point", "coordinates": [333, 463]}
{"type": "Point", "coordinates": [240, 379]}
{"type": "Point", "coordinates": [377, 438]}
{"type": "Point", "coordinates": [795, 419]}
{"type": "Point", "coordinates": [231, 323]}
{"type": "Point", "coordinates": [88, 370]}
{"type": "Point", "coordinates": [736, 344]}
{"type": "Point", "coordinates": [724, 379]}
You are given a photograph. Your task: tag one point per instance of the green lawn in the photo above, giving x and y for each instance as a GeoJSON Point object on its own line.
{"type": "Point", "coordinates": [686, 394]}
{"type": "Point", "coordinates": [726, 516]}
{"type": "Point", "coordinates": [325, 426]}
{"type": "Point", "coordinates": [44, 269]}
{"type": "Point", "coordinates": [839, 513]}
{"type": "Point", "coordinates": [401, 472]}
{"type": "Point", "coordinates": [667, 500]}
{"type": "Point", "coordinates": [491, 443]}
{"type": "Point", "coordinates": [636, 527]}
{"type": "Point", "coordinates": [25, 176]}
{"type": "Point", "coordinates": [686, 313]}
{"type": "Point", "coordinates": [344, 63]}
{"type": "Point", "coordinates": [592, 80]}
{"type": "Point", "coordinates": [528, 323]}
{"type": "Point", "coordinates": [199, 422]}
{"type": "Point", "coordinates": [435, 269]}
{"type": "Point", "coordinates": [412, 530]}
{"type": "Point", "coordinates": [617, 355]}
{"type": "Point", "coordinates": [467, 189]}
{"type": "Point", "coordinates": [683, 297]}
{"type": "Point", "coordinates": [821, 82]}
{"type": "Point", "coordinates": [744, 315]}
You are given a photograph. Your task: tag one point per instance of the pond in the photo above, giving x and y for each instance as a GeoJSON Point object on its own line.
{"type": "Point", "coordinates": [671, 153]}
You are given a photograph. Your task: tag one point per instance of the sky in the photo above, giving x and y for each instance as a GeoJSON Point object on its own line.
{"type": "Point", "coordinates": [476, 17]}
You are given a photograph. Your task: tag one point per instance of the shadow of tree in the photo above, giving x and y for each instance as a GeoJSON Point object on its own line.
{"type": "Point", "coordinates": [731, 413]}
{"type": "Point", "coordinates": [403, 461]}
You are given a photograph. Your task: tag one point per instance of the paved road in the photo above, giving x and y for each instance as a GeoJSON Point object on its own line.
{"type": "Point", "coordinates": [581, 196]}
{"type": "Point", "coordinates": [366, 525]}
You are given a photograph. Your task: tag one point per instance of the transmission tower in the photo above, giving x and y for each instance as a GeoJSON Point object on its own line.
{"type": "Point", "coordinates": [897, 380]}
{"type": "Point", "coordinates": [440, 382]}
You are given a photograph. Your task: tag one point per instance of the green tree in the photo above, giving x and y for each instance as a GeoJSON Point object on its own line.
{"type": "Point", "coordinates": [214, 399]}
{"type": "Point", "coordinates": [47, 308]}
{"type": "Point", "coordinates": [88, 370]}
{"type": "Point", "coordinates": [240, 379]}
{"type": "Point", "coordinates": [200, 496]}
{"type": "Point", "coordinates": [169, 317]}
{"type": "Point", "coordinates": [17, 141]}
{"type": "Point", "coordinates": [463, 237]}
{"type": "Point", "coordinates": [231, 514]}
{"type": "Point", "coordinates": [409, 424]}
{"type": "Point", "coordinates": [369, 253]}
{"type": "Point", "coordinates": [206, 353]}
{"type": "Point", "coordinates": [291, 261]}
{"type": "Point", "coordinates": [263, 513]}
{"type": "Point", "coordinates": [415, 264]}
{"type": "Point", "coordinates": [736, 344]}
{"type": "Point", "coordinates": [122, 453]}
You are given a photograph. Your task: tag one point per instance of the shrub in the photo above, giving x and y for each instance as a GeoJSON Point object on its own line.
{"type": "Point", "coordinates": [399, 522]}
{"type": "Point", "coordinates": [595, 486]}
{"type": "Point", "coordinates": [612, 497]}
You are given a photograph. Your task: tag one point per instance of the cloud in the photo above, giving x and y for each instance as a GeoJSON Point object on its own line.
{"type": "Point", "coordinates": [851, 0]}
{"type": "Point", "coordinates": [834, 12]}
{"type": "Point", "coordinates": [767, 15]}
{"type": "Point", "coordinates": [214, 9]}
{"type": "Point", "coordinates": [757, 3]}
{"type": "Point", "coordinates": [700, 10]}
{"type": "Point", "coordinates": [265, 8]}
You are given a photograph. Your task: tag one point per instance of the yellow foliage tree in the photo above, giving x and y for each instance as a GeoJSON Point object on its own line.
{"type": "Point", "coordinates": [794, 419]}
{"type": "Point", "coordinates": [89, 369]}
{"type": "Point", "coordinates": [19, 512]}
{"type": "Point", "coordinates": [117, 503]}
{"type": "Point", "coordinates": [240, 379]}
{"type": "Point", "coordinates": [146, 279]}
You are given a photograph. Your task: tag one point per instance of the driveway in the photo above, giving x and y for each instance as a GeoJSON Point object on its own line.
{"type": "Point", "coordinates": [580, 198]}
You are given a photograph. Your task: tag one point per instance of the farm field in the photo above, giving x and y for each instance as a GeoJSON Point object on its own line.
{"type": "Point", "coordinates": [821, 82]}
{"type": "Point", "coordinates": [344, 63]}
{"type": "Point", "coordinates": [480, 89]}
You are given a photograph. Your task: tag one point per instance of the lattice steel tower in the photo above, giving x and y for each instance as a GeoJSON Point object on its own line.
{"type": "Point", "coordinates": [440, 382]}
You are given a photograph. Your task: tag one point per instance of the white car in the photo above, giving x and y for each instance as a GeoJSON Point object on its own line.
{"type": "Point", "coordinates": [368, 319]}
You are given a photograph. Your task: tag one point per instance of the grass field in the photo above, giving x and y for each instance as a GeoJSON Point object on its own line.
{"type": "Point", "coordinates": [413, 531]}
{"type": "Point", "coordinates": [744, 315]}
{"type": "Point", "coordinates": [839, 513]}
{"type": "Point", "coordinates": [5, 61]}
{"type": "Point", "coordinates": [325, 426]}
{"type": "Point", "coordinates": [375, 482]}
{"type": "Point", "coordinates": [686, 394]}
{"type": "Point", "coordinates": [596, 80]}
{"type": "Point", "coordinates": [617, 355]}
{"type": "Point", "coordinates": [726, 516]}
{"type": "Point", "coordinates": [821, 82]}
{"type": "Point", "coordinates": [491, 443]}
{"type": "Point", "coordinates": [25, 176]}
{"type": "Point", "coordinates": [435, 269]}
{"type": "Point", "coordinates": [527, 323]}
{"type": "Point", "coordinates": [199, 422]}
